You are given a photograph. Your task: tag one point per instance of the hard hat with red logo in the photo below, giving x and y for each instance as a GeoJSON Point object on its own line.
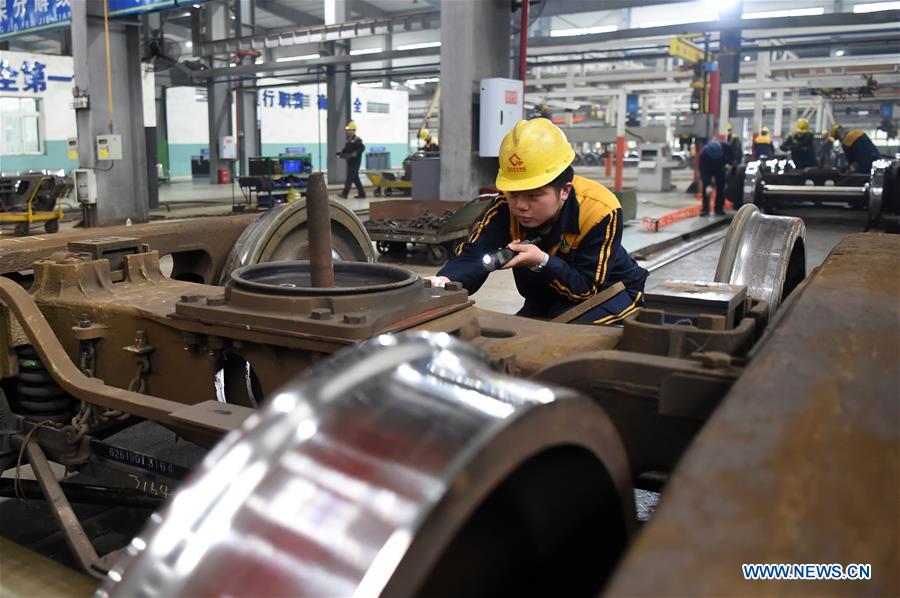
{"type": "Point", "coordinates": [532, 154]}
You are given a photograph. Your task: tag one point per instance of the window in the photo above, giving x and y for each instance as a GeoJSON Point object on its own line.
{"type": "Point", "coordinates": [379, 107]}
{"type": "Point", "coordinates": [20, 122]}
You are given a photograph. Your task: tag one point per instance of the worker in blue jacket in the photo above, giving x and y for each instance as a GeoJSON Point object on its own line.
{"type": "Point", "coordinates": [858, 148]}
{"type": "Point", "coordinates": [565, 232]}
{"type": "Point", "coordinates": [714, 157]}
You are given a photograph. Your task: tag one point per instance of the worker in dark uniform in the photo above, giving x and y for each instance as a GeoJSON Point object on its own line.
{"type": "Point", "coordinates": [430, 146]}
{"type": "Point", "coordinates": [802, 146]}
{"type": "Point", "coordinates": [565, 232]}
{"type": "Point", "coordinates": [825, 151]}
{"type": "Point", "coordinates": [858, 148]}
{"type": "Point", "coordinates": [762, 145]}
{"type": "Point", "coordinates": [737, 148]}
{"type": "Point", "coordinates": [352, 153]}
{"type": "Point", "coordinates": [714, 158]}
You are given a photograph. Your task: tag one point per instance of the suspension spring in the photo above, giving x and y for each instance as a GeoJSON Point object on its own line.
{"type": "Point", "coordinates": [39, 397]}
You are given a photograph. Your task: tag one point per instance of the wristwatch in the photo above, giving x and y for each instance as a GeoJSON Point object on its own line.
{"type": "Point", "coordinates": [539, 267]}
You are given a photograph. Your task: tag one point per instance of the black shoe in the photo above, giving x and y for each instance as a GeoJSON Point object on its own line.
{"type": "Point", "coordinates": [361, 196]}
{"type": "Point", "coordinates": [704, 213]}
{"type": "Point", "coordinates": [720, 212]}
{"type": "Point", "coordinates": [342, 196]}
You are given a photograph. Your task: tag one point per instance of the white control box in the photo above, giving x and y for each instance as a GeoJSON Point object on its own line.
{"type": "Point", "coordinates": [85, 181]}
{"type": "Point", "coordinates": [109, 147]}
{"type": "Point", "coordinates": [502, 106]}
{"type": "Point", "coordinates": [228, 148]}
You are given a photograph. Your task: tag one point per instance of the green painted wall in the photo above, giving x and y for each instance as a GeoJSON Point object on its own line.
{"type": "Point", "coordinates": [55, 157]}
{"type": "Point", "coordinates": [180, 157]}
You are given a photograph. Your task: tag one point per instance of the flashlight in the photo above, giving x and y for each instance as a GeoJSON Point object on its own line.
{"type": "Point", "coordinates": [497, 259]}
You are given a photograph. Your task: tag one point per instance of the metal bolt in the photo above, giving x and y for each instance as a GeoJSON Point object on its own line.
{"type": "Point", "coordinates": [453, 286]}
{"type": "Point", "coordinates": [321, 313]}
{"type": "Point", "coordinates": [355, 319]}
{"type": "Point", "coordinates": [215, 301]}
{"type": "Point", "coordinates": [84, 321]}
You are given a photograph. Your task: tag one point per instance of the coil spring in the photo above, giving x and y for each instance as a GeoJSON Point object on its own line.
{"type": "Point", "coordinates": [39, 396]}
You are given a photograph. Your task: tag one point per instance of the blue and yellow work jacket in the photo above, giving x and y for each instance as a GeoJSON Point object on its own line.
{"type": "Point", "coordinates": [860, 151]}
{"type": "Point", "coordinates": [762, 147]}
{"type": "Point", "coordinates": [584, 244]}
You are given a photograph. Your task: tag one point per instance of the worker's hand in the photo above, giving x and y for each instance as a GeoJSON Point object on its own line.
{"type": "Point", "coordinates": [527, 254]}
{"type": "Point", "coordinates": [437, 281]}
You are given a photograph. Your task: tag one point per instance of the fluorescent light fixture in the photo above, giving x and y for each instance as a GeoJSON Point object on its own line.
{"type": "Point", "coordinates": [370, 84]}
{"type": "Point", "coordinates": [685, 21]}
{"type": "Point", "coordinates": [746, 59]}
{"type": "Point", "coordinates": [839, 53]}
{"type": "Point", "coordinates": [583, 30]}
{"type": "Point", "coordinates": [863, 113]}
{"type": "Point", "coordinates": [421, 45]}
{"type": "Point", "coordinates": [259, 61]}
{"type": "Point", "coordinates": [196, 6]}
{"type": "Point", "coordinates": [876, 7]}
{"type": "Point", "coordinates": [422, 81]}
{"type": "Point", "coordinates": [365, 51]}
{"type": "Point", "coordinates": [293, 58]}
{"type": "Point", "coordinates": [189, 44]}
{"type": "Point", "coordinates": [790, 12]}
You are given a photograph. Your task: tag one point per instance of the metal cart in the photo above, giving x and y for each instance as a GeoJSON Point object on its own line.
{"type": "Point", "coordinates": [43, 207]}
{"type": "Point", "coordinates": [438, 225]}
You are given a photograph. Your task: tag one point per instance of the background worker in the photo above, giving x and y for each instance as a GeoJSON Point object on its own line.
{"type": "Point", "coordinates": [714, 158]}
{"type": "Point", "coordinates": [762, 145]}
{"type": "Point", "coordinates": [858, 148]}
{"type": "Point", "coordinates": [430, 144]}
{"type": "Point", "coordinates": [825, 151]}
{"type": "Point", "coordinates": [737, 148]}
{"type": "Point", "coordinates": [802, 146]}
{"type": "Point", "coordinates": [565, 232]}
{"type": "Point", "coordinates": [352, 153]}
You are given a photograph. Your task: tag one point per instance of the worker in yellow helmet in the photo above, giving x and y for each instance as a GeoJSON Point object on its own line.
{"type": "Point", "coordinates": [561, 233]}
{"type": "Point", "coordinates": [762, 145]}
{"type": "Point", "coordinates": [431, 145]}
{"type": "Point", "coordinates": [858, 148]}
{"type": "Point", "coordinates": [801, 145]}
{"type": "Point", "coordinates": [352, 153]}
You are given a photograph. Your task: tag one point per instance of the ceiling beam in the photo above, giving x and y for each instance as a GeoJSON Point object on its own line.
{"type": "Point", "coordinates": [366, 9]}
{"type": "Point", "coordinates": [296, 17]}
{"type": "Point", "coordinates": [807, 22]}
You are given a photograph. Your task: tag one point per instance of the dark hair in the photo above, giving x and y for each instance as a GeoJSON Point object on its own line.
{"type": "Point", "coordinates": [564, 177]}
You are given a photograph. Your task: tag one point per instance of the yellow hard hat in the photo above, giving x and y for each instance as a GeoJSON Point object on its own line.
{"type": "Point", "coordinates": [764, 131]}
{"type": "Point", "coordinates": [826, 134]}
{"type": "Point", "coordinates": [351, 126]}
{"type": "Point", "coordinates": [803, 125]}
{"type": "Point", "coordinates": [423, 134]}
{"type": "Point", "coordinates": [730, 127]}
{"type": "Point", "coordinates": [532, 154]}
{"type": "Point", "coordinates": [835, 129]}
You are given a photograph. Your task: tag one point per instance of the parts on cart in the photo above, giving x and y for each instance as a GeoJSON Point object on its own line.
{"type": "Point", "coordinates": [31, 198]}
{"type": "Point", "coordinates": [402, 465]}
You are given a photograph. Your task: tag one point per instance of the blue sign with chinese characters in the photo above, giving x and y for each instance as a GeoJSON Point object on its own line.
{"type": "Point", "coordinates": [287, 99]}
{"type": "Point", "coordinates": [22, 16]}
{"type": "Point", "coordinates": [26, 16]}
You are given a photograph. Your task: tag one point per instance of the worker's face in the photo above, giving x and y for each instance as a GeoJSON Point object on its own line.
{"type": "Point", "coordinates": [350, 133]}
{"type": "Point", "coordinates": [536, 207]}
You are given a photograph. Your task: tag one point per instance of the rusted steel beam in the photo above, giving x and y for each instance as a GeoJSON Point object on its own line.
{"type": "Point", "coordinates": [200, 244]}
{"type": "Point", "coordinates": [91, 390]}
{"type": "Point", "coordinates": [320, 263]}
{"type": "Point", "coordinates": [78, 542]}
{"type": "Point", "coordinates": [799, 463]}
